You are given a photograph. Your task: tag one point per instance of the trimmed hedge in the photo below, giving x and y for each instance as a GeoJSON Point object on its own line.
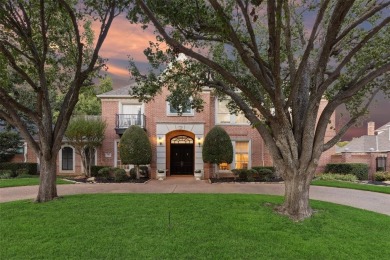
{"type": "Point", "coordinates": [113, 173]}
{"type": "Point", "coordinates": [337, 177]}
{"type": "Point", "coordinates": [360, 170]}
{"type": "Point", "coordinates": [29, 168]}
{"type": "Point", "coordinates": [254, 174]}
{"type": "Point", "coordinates": [95, 170]}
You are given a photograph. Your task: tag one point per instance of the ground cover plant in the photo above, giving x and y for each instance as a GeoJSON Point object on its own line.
{"type": "Point", "coordinates": [186, 226]}
{"type": "Point", "coordinates": [27, 181]}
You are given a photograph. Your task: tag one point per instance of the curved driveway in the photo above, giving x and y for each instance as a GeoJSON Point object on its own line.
{"type": "Point", "coordinates": [377, 202]}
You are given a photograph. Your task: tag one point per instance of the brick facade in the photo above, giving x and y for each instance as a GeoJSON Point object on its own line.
{"type": "Point", "coordinates": [161, 126]}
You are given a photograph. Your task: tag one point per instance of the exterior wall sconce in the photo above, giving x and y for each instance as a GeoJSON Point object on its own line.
{"type": "Point", "coordinates": [199, 141]}
{"type": "Point", "coordinates": [159, 140]}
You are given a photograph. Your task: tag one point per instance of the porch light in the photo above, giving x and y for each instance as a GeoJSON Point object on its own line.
{"type": "Point", "coordinates": [159, 140]}
{"type": "Point", "coordinates": [199, 141]}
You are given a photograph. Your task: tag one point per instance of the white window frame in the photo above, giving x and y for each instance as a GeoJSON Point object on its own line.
{"type": "Point", "coordinates": [232, 117]}
{"type": "Point", "coordinates": [234, 155]}
{"type": "Point", "coordinates": [168, 109]}
{"type": "Point", "coordinates": [74, 160]}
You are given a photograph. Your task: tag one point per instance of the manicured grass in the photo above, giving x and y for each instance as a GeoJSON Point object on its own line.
{"type": "Point", "coordinates": [201, 226]}
{"type": "Point", "coordinates": [351, 185]}
{"type": "Point", "coordinates": [4, 183]}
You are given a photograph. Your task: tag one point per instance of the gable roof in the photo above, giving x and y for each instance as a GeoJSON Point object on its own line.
{"type": "Point", "coordinates": [122, 92]}
{"type": "Point", "coordinates": [369, 143]}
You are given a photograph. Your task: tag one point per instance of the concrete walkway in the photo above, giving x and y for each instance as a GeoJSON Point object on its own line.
{"type": "Point", "coordinates": [377, 202]}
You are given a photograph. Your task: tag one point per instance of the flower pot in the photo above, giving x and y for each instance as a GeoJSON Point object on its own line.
{"type": "Point", "coordinates": [198, 175]}
{"type": "Point", "coordinates": [161, 175]}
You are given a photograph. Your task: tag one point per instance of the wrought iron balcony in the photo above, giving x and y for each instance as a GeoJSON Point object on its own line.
{"type": "Point", "coordinates": [123, 121]}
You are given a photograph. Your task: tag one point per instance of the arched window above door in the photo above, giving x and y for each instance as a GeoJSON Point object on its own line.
{"type": "Point", "coordinates": [182, 139]}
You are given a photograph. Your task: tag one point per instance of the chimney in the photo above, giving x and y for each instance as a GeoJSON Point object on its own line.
{"type": "Point", "coordinates": [371, 128]}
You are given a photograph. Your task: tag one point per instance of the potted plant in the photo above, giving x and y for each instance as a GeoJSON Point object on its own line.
{"type": "Point", "coordinates": [198, 174]}
{"type": "Point", "coordinates": [161, 174]}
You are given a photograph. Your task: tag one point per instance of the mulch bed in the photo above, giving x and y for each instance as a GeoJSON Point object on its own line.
{"type": "Point", "coordinates": [83, 179]}
{"type": "Point", "coordinates": [234, 180]}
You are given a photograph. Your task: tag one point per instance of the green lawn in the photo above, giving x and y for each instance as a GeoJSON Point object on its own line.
{"type": "Point", "coordinates": [4, 183]}
{"type": "Point", "coordinates": [351, 185]}
{"type": "Point", "coordinates": [202, 226]}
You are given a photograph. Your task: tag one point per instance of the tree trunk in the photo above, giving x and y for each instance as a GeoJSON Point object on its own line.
{"type": "Point", "coordinates": [137, 171]}
{"type": "Point", "coordinates": [47, 186]}
{"type": "Point", "coordinates": [296, 197]}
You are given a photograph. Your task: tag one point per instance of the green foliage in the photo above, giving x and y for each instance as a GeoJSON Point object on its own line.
{"type": "Point", "coordinates": [6, 174]}
{"type": "Point", "coordinates": [337, 177]}
{"type": "Point", "coordinates": [30, 168]}
{"type": "Point", "coordinates": [242, 221]}
{"type": "Point", "coordinates": [382, 176]}
{"type": "Point", "coordinates": [217, 147]}
{"type": "Point", "coordinates": [133, 173]}
{"type": "Point", "coordinates": [119, 175]}
{"type": "Point", "coordinates": [10, 142]}
{"type": "Point", "coordinates": [89, 103]}
{"type": "Point", "coordinates": [265, 173]}
{"type": "Point", "coordinates": [86, 134]}
{"type": "Point", "coordinates": [360, 170]}
{"type": "Point", "coordinates": [342, 144]}
{"type": "Point", "coordinates": [246, 174]}
{"type": "Point", "coordinates": [104, 172]}
{"type": "Point", "coordinates": [95, 170]}
{"type": "Point", "coordinates": [135, 147]}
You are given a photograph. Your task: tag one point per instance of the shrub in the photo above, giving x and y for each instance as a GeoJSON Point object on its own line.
{"type": "Point", "coordinates": [265, 173]}
{"type": "Point", "coordinates": [217, 147]}
{"type": "Point", "coordinates": [245, 174]}
{"type": "Point", "coordinates": [135, 147]}
{"type": "Point", "coordinates": [104, 172]}
{"type": "Point", "coordinates": [95, 170]}
{"type": "Point", "coordinates": [133, 173]}
{"type": "Point", "coordinates": [5, 174]}
{"type": "Point", "coordinates": [382, 176]}
{"type": "Point", "coordinates": [337, 177]}
{"type": "Point", "coordinates": [31, 168]}
{"type": "Point", "coordinates": [119, 175]}
{"type": "Point", "coordinates": [144, 171]}
{"type": "Point", "coordinates": [360, 170]}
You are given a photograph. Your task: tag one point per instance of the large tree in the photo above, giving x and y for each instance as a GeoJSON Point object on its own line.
{"type": "Point", "coordinates": [275, 60]}
{"type": "Point", "coordinates": [50, 48]}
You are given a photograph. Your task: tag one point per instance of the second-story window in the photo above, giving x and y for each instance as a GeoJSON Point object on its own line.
{"type": "Point", "coordinates": [224, 116]}
{"type": "Point", "coordinates": [185, 110]}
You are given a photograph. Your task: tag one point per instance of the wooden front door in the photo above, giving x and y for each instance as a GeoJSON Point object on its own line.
{"type": "Point", "coordinates": [182, 159]}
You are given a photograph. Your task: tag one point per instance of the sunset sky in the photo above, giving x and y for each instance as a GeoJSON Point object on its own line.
{"type": "Point", "coordinates": [126, 39]}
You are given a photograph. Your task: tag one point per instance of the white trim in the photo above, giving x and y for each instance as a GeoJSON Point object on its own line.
{"type": "Point", "coordinates": [249, 141]}
{"type": "Point", "coordinates": [60, 160]}
{"type": "Point", "coordinates": [233, 117]}
{"type": "Point", "coordinates": [168, 110]}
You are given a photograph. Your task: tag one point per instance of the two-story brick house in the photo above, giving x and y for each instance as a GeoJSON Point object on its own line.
{"type": "Point", "coordinates": [177, 141]}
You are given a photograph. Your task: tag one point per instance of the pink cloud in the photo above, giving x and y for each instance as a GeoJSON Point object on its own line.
{"type": "Point", "coordinates": [125, 39]}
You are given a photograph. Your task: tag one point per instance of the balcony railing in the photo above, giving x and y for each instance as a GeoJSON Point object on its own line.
{"type": "Point", "coordinates": [123, 121]}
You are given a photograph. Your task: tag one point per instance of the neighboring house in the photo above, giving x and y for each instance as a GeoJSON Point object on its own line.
{"type": "Point", "coordinates": [177, 141]}
{"type": "Point", "coordinates": [372, 149]}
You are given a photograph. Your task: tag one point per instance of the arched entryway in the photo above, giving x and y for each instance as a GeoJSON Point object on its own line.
{"type": "Point", "coordinates": [180, 152]}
